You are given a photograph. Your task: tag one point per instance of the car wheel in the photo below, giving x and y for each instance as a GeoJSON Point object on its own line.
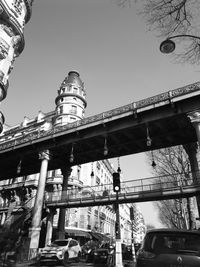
{"type": "Point", "coordinates": [66, 259]}
{"type": "Point", "coordinates": [78, 257]}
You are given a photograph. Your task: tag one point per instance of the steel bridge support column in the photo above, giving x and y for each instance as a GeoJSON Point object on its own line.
{"type": "Point", "coordinates": [49, 227]}
{"type": "Point", "coordinates": [34, 231]}
{"type": "Point", "coordinates": [66, 172]}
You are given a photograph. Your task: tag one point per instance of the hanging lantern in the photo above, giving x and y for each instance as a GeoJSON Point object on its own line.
{"type": "Point", "coordinates": [105, 150]}
{"type": "Point", "coordinates": [148, 140]}
{"type": "Point", "coordinates": [92, 172]}
{"type": "Point", "coordinates": [71, 157]}
{"type": "Point", "coordinates": [153, 164]}
{"type": "Point", "coordinates": [19, 167]}
{"type": "Point", "coordinates": [118, 169]}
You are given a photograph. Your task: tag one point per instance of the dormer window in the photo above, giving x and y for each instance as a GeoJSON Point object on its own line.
{"type": "Point", "coordinates": [68, 88]}
{"type": "Point", "coordinates": [75, 90]}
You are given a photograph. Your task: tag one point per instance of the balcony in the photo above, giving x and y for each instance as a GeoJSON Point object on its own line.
{"type": "Point", "coordinates": [29, 183]}
{"type": "Point", "coordinates": [74, 181]}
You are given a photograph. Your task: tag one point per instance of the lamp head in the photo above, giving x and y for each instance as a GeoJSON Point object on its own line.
{"type": "Point", "coordinates": [167, 46]}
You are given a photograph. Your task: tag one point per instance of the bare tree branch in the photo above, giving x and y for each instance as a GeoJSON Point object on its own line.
{"type": "Point", "coordinates": [173, 163]}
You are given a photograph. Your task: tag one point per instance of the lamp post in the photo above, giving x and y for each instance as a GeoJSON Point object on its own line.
{"type": "Point", "coordinates": [168, 46]}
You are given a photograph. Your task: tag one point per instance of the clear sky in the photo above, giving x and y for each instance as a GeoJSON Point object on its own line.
{"type": "Point", "coordinates": [117, 58]}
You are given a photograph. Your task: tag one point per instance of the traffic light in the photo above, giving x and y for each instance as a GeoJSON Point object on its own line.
{"type": "Point", "coordinates": [116, 182]}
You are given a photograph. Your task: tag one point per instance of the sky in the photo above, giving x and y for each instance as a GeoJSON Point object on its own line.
{"type": "Point", "coordinates": [117, 57]}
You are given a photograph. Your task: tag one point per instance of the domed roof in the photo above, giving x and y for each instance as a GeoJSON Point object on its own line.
{"type": "Point", "coordinates": [74, 78]}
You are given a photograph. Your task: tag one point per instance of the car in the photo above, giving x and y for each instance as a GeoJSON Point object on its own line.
{"type": "Point", "coordinates": [88, 250]}
{"type": "Point", "coordinates": [104, 255]}
{"type": "Point", "coordinates": [169, 248]}
{"type": "Point", "coordinates": [61, 251]}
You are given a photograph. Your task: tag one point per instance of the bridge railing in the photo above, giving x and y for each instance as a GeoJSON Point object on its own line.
{"type": "Point", "coordinates": [152, 184]}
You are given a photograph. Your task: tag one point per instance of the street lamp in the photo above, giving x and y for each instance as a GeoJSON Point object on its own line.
{"type": "Point", "coordinates": [168, 46]}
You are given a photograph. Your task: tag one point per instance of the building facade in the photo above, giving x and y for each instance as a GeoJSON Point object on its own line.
{"type": "Point", "coordinates": [14, 15]}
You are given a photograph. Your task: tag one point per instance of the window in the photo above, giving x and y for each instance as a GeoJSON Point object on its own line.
{"type": "Point", "coordinates": [75, 90]}
{"type": "Point", "coordinates": [68, 88]}
{"type": "Point", "coordinates": [61, 110]}
{"type": "Point", "coordinates": [18, 6]}
{"type": "Point", "coordinates": [98, 165]}
{"type": "Point", "coordinates": [97, 180]}
{"type": "Point", "coordinates": [96, 212]}
{"type": "Point", "coordinates": [74, 109]}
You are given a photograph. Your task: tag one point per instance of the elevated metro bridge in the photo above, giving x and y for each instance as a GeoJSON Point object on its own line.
{"type": "Point", "coordinates": [173, 186]}
{"type": "Point", "coordinates": [165, 117]}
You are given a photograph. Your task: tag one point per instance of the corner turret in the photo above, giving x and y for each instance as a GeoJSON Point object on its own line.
{"type": "Point", "coordinates": [70, 102]}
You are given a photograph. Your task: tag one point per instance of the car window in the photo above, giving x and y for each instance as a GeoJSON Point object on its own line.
{"type": "Point", "coordinates": [73, 243]}
{"type": "Point", "coordinates": [172, 242]}
{"type": "Point", "coordinates": [60, 243]}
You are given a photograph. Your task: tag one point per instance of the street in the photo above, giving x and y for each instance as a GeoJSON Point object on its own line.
{"type": "Point", "coordinates": [72, 264]}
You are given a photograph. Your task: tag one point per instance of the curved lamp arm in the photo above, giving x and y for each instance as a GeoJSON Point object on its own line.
{"type": "Point", "coordinates": [168, 46]}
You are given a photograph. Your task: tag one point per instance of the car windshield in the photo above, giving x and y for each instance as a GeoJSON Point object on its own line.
{"type": "Point", "coordinates": [172, 243]}
{"type": "Point", "coordinates": [59, 243]}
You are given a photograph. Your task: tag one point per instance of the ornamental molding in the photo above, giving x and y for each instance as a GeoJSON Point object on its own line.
{"type": "Point", "coordinates": [194, 116]}
{"type": "Point", "coordinates": [44, 155]}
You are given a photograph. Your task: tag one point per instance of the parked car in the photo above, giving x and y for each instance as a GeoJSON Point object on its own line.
{"type": "Point", "coordinates": [167, 248]}
{"type": "Point", "coordinates": [88, 250]}
{"type": "Point", "coordinates": [61, 251]}
{"type": "Point", "coordinates": [104, 255]}
{"type": "Point", "coordinates": [106, 252]}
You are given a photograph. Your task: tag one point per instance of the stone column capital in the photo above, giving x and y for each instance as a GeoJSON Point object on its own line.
{"type": "Point", "coordinates": [45, 154]}
{"type": "Point", "coordinates": [194, 116]}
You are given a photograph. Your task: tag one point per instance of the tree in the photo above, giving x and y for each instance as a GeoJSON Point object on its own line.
{"type": "Point", "coordinates": [174, 17]}
{"type": "Point", "coordinates": [173, 163]}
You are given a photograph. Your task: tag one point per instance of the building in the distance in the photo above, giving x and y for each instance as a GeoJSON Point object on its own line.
{"type": "Point", "coordinates": [17, 195]}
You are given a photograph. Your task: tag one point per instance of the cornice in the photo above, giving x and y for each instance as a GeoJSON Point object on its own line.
{"type": "Point", "coordinates": [68, 95]}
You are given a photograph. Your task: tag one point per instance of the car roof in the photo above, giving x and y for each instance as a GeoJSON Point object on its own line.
{"type": "Point", "coordinates": [168, 230]}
